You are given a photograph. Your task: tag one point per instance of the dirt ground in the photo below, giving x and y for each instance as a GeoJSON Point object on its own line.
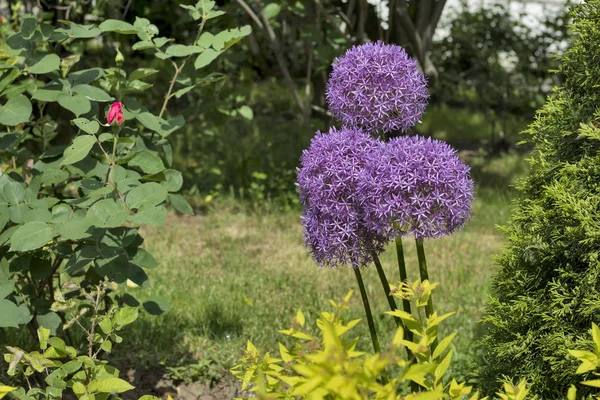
{"type": "Point", "coordinates": [155, 383]}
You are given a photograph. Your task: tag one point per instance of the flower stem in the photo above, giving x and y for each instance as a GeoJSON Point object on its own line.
{"type": "Point", "coordinates": [386, 288]}
{"type": "Point", "coordinates": [391, 301]}
{"type": "Point", "coordinates": [424, 274]}
{"type": "Point", "coordinates": [371, 322]}
{"type": "Point", "coordinates": [365, 299]}
{"type": "Point", "coordinates": [403, 278]}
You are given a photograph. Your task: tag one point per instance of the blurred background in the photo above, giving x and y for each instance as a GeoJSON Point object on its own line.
{"type": "Point", "coordinates": [487, 64]}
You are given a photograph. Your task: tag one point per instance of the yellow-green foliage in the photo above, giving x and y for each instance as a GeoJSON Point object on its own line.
{"type": "Point", "coordinates": [328, 365]}
{"type": "Point", "coordinates": [546, 294]}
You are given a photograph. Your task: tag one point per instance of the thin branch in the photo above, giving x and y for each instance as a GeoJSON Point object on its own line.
{"type": "Point", "coordinates": [435, 19]}
{"type": "Point", "coordinates": [265, 25]}
{"type": "Point", "coordinates": [362, 20]}
{"type": "Point", "coordinates": [251, 13]}
{"type": "Point", "coordinates": [391, 14]}
{"type": "Point", "coordinates": [423, 14]}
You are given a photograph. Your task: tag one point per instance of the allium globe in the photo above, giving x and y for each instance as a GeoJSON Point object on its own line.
{"type": "Point", "coordinates": [333, 217]}
{"type": "Point", "coordinates": [416, 185]}
{"type": "Point", "coordinates": [377, 87]}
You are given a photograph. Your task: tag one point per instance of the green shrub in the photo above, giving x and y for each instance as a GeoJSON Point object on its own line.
{"type": "Point", "coordinates": [78, 178]}
{"type": "Point", "coordinates": [547, 291]}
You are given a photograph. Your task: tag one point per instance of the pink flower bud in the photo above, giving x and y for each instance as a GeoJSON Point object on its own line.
{"type": "Point", "coordinates": [115, 113]}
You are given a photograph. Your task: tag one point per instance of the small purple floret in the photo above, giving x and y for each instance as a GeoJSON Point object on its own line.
{"type": "Point", "coordinates": [333, 217]}
{"type": "Point", "coordinates": [377, 87]}
{"type": "Point", "coordinates": [416, 185]}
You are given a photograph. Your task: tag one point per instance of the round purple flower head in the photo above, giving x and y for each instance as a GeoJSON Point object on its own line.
{"type": "Point", "coordinates": [333, 217]}
{"type": "Point", "coordinates": [375, 87]}
{"type": "Point", "coordinates": [416, 185]}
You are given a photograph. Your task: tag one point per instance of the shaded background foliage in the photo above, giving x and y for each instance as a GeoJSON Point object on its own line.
{"type": "Point", "coordinates": [487, 72]}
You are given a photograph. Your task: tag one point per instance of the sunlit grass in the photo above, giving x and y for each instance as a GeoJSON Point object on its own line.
{"type": "Point", "coordinates": [233, 276]}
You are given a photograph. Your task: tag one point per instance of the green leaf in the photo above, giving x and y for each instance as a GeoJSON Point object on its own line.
{"type": "Point", "coordinates": [179, 50]}
{"type": "Point", "coordinates": [443, 366]}
{"type": "Point", "coordinates": [17, 213]}
{"type": "Point", "coordinates": [28, 26]}
{"type": "Point", "coordinates": [31, 236]}
{"type": "Point", "coordinates": [152, 122]}
{"type": "Point", "coordinates": [86, 125]}
{"type": "Point", "coordinates": [206, 40]}
{"type": "Point", "coordinates": [161, 41]}
{"type": "Point", "coordinates": [153, 216]}
{"type": "Point", "coordinates": [109, 385]}
{"type": "Point", "coordinates": [214, 14]}
{"type": "Point", "coordinates": [85, 76]}
{"type": "Point", "coordinates": [83, 32]}
{"type": "Point", "coordinates": [224, 40]}
{"type": "Point", "coordinates": [180, 204]}
{"type": "Point", "coordinates": [44, 64]}
{"type": "Point", "coordinates": [107, 213]}
{"type": "Point", "coordinates": [92, 93]}
{"type": "Point", "coordinates": [148, 162]}
{"type": "Point", "coordinates": [106, 325]}
{"type": "Point", "coordinates": [157, 306]}
{"type": "Point", "coordinates": [79, 389]}
{"type": "Point", "coordinates": [51, 321]}
{"type": "Point", "coordinates": [125, 316]}
{"type": "Point", "coordinates": [13, 192]}
{"type": "Point", "coordinates": [271, 10]}
{"type": "Point", "coordinates": [106, 346]}
{"type": "Point", "coordinates": [207, 56]}
{"type": "Point", "coordinates": [246, 112]}
{"type": "Point", "coordinates": [79, 149]}
{"type": "Point", "coordinates": [173, 180]}
{"type": "Point", "coordinates": [11, 315]}
{"type": "Point", "coordinates": [114, 25]}
{"type": "Point", "coordinates": [17, 110]}
{"type": "Point", "coordinates": [38, 214]}
{"type": "Point", "coordinates": [146, 195]}
{"type": "Point", "coordinates": [75, 228]}
{"type": "Point", "coordinates": [141, 73]}
{"type": "Point", "coordinates": [143, 45]}
{"type": "Point", "coordinates": [183, 91]}
{"type": "Point", "coordinates": [77, 104]}
{"type": "Point", "coordinates": [6, 287]}
{"type": "Point", "coordinates": [144, 259]}
{"type": "Point", "coordinates": [47, 95]}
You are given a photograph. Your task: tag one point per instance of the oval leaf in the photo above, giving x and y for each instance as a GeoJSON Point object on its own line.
{"type": "Point", "coordinates": [17, 110]}
{"type": "Point", "coordinates": [206, 58]}
{"type": "Point", "coordinates": [107, 213]}
{"type": "Point", "coordinates": [114, 25]}
{"type": "Point", "coordinates": [146, 195]}
{"type": "Point", "coordinates": [80, 148]}
{"type": "Point", "coordinates": [44, 64]}
{"type": "Point", "coordinates": [31, 236]}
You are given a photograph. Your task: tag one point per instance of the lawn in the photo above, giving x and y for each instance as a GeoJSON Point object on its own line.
{"type": "Point", "coordinates": [233, 275]}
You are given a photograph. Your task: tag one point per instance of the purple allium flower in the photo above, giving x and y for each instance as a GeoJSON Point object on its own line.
{"type": "Point", "coordinates": [375, 87]}
{"type": "Point", "coordinates": [333, 217]}
{"type": "Point", "coordinates": [416, 185]}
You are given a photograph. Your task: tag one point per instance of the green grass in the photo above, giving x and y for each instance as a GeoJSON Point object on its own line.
{"type": "Point", "coordinates": [233, 276]}
{"type": "Point", "coordinates": [236, 274]}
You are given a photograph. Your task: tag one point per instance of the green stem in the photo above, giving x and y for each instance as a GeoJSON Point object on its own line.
{"type": "Point", "coordinates": [386, 288]}
{"type": "Point", "coordinates": [391, 301]}
{"type": "Point", "coordinates": [370, 321]}
{"type": "Point", "coordinates": [404, 279]}
{"type": "Point", "coordinates": [424, 274]}
{"type": "Point", "coordinates": [365, 299]}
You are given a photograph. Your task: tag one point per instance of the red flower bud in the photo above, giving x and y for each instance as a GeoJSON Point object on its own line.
{"type": "Point", "coordinates": [115, 113]}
